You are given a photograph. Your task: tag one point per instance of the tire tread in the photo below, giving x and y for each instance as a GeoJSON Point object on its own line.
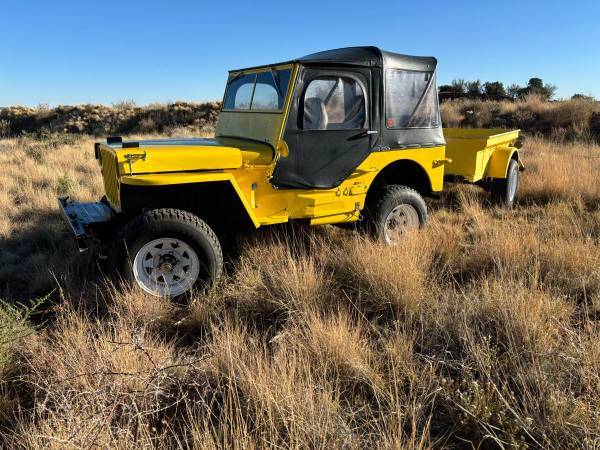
{"type": "Point", "coordinates": [388, 193]}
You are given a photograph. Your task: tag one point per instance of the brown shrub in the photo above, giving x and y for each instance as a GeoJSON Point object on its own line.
{"type": "Point", "coordinates": [101, 120]}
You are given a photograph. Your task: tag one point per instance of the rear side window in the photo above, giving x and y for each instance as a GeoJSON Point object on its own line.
{"type": "Point", "coordinates": [333, 103]}
{"type": "Point", "coordinates": [263, 91]}
{"type": "Point", "coordinates": [411, 100]}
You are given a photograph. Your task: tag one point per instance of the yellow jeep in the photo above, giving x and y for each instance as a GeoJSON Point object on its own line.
{"type": "Point", "coordinates": [339, 136]}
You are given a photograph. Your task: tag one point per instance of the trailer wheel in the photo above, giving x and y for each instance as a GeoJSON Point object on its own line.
{"type": "Point", "coordinates": [168, 253]}
{"type": "Point", "coordinates": [397, 209]}
{"type": "Point", "coordinates": [504, 190]}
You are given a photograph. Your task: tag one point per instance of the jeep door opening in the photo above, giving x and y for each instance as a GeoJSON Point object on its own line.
{"type": "Point", "coordinates": [339, 136]}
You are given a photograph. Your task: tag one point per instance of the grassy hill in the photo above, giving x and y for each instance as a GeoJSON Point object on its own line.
{"type": "Point", "coordinates": [481, 330]}
{"type": "Point", "coordinates": [560, 120]}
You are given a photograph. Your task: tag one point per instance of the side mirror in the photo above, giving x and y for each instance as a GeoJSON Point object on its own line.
{"type": "Point", "coordinates": [282, 148]}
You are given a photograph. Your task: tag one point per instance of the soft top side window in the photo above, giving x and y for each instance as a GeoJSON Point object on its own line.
{"type": "Point", "coordinates": [411, 99]}
{"type": "Point", "coordinates": [333, 103]}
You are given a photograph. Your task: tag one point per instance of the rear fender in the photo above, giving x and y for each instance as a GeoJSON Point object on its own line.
{"type": "Point", "coordinates": [498, 164]}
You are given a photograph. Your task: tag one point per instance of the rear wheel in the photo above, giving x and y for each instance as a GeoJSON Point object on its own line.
{"type": "Point", "coordinates": [397, 210]}
{"type": "Point", "coordinates": [169, 252]}
{"type": "Point", "coordinates": [504, 190]}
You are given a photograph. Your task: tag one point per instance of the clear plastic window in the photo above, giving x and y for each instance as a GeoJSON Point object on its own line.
{"type": "Point", "coordinates": [411, 99]}
{"type": "Point", "coordinates": [239, 92]}
{"type": "Point", "coordinates": [264, 91]}
{"type": "Point", "coordinates": [266, 96]}
{"type": "Point", "coordinates": [334, 103]}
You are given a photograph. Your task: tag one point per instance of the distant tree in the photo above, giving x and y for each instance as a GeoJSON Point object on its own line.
{"type": "Point", "coordinates": [513, 90]}
{"type": "Point", "coordinates": [494, 89]}
{"type": "Point", "coordinates": [474, 88]}
{"type": "Point", "coordinates": [456, 89]}
{"type": "Point", "coordinates": [582, 97]}
{"type": "Point", "coordinates": [459, 86]}
{"type": "Point", "coordinates": [536, 86]}
{"type": "Point", "coordinates": [549, 91]}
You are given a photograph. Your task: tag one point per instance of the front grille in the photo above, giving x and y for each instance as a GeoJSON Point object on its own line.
{"type": "Point", "coordinates": [110, 175]}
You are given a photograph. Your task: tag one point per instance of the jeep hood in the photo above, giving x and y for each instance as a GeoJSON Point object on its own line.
{"type": "Point", "coordinates": [183, 155]}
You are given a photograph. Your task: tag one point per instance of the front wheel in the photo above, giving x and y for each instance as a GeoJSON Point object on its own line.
{"type": "Point", "coordinates": [504, 190]}
{"type": "Point", "coordinates": [397, 210]}
{"type": "Point", "coordinates": [169, 252]}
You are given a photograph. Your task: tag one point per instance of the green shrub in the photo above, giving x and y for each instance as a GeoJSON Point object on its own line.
{"type": "Point", "coordinates": [14, 325]}
{"type": "Point", "coordinates": [65, 184]}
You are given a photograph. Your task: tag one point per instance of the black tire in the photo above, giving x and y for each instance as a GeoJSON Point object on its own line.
{"type": "Point", "coordinates": [504, 190]}
{"type": "Point", "coordinates": [170, 224]}
{"type": "Point", "coordinates": [387, 200]}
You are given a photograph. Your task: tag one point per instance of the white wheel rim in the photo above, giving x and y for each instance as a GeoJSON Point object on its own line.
{"type": "Point", "coordinates": [512, 185]}
{"type": "Point", "coordinates": [166, 267]}
{"type": "Point", "coordinates": [400, 219]}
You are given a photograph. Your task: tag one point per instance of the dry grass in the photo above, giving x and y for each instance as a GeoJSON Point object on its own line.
{"type": "Point", "coordinates": [481, 330]}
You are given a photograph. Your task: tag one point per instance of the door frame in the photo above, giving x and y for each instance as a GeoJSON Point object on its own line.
{"type": "Point", "coordinates": [293, 126]}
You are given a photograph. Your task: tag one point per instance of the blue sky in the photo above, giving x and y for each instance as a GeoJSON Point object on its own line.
{"type": "Point", "coordinates": [68, 52]}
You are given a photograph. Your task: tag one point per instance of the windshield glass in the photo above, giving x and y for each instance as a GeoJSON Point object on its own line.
{"type": "Point", "coordinates": [263, 91]}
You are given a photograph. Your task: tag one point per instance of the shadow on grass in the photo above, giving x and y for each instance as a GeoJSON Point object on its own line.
{"type": "Point", "coordinates": [41, 259]}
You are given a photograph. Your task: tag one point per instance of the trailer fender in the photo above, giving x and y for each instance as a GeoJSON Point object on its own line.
{"type": "Point", "coordinates": [498, 164]}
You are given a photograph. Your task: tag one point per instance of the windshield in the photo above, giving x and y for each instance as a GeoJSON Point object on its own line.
{"type": "Point", "coordinates": [262, 91]}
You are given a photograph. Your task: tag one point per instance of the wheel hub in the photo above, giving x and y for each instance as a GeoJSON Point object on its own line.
{"type": "Point", "coordinates": [400, 219]}
{"type": "Point", "coordinates": [167, 263]}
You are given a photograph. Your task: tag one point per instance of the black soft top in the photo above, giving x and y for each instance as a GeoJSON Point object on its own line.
{"type": "Point", "coordinates": [371, 57]}
{"type": "Point", "coordinates": [362, 56]}
{"type": "Point", "coordinates": [378, 64]}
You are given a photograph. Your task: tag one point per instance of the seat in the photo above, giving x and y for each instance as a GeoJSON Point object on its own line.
{"type": "Point", "coordinates": [315, 114]}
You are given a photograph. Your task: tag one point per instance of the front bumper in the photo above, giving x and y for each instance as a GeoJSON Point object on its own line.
{"type": "Point", "coordinates": [87, 220]}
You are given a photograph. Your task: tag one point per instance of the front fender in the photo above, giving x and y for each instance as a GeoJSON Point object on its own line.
{"type": "Point", "coordinates": [169, 179]}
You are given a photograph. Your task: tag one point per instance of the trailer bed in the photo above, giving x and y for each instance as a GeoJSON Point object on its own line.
{"type": "Point", "coordinates": [472, 149]}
